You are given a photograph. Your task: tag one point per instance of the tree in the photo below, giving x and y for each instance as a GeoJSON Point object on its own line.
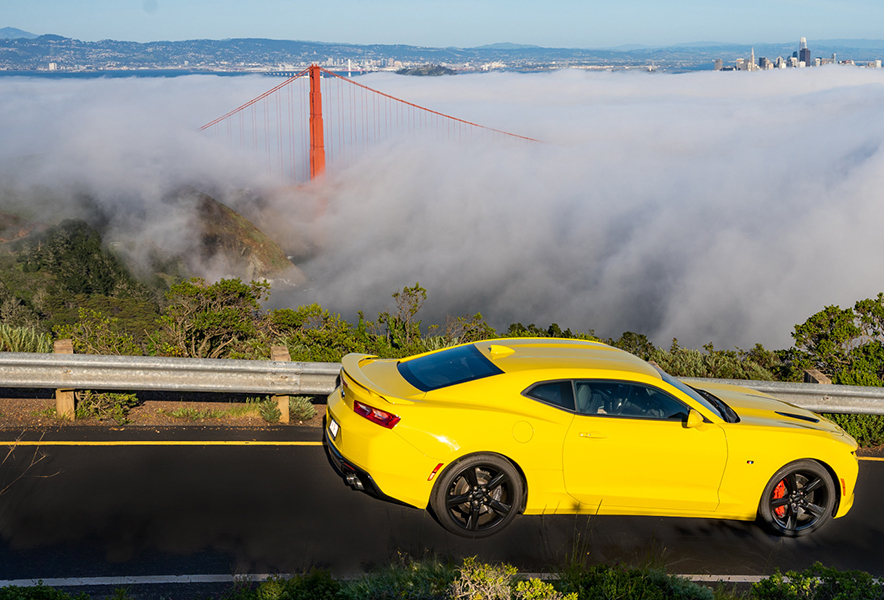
{"type": "Point", "coordinates": [847, 344]}
{"type": "Point", "coordinates": [208, 320]}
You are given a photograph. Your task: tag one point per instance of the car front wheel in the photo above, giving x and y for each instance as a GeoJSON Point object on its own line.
{"type": "Point", "coordinates": [799, 499]}
{"type": "Point", "coordinates": [478, 495]}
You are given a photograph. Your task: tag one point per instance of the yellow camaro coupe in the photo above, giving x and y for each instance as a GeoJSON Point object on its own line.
{"type": "Point", "coordinates": [481, 432]}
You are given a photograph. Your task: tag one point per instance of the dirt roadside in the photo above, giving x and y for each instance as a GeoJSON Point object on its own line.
{"type": "Point", "coordinates": [38, 413]}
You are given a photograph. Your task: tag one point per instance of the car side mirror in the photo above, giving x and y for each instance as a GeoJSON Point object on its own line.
{"type": "Point", "coordinates": [695, 419]}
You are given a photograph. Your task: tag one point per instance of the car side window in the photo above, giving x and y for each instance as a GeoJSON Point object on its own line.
{"type": "Point", "coordinates": [557, 393]}
{"type": "Point", "coordinates": [622, 399]}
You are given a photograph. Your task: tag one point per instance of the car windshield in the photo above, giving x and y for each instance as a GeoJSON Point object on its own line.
{"type": "Point", "coordinates": [448, 367]}
{"type": "Point", "coordinates": [694, 394]}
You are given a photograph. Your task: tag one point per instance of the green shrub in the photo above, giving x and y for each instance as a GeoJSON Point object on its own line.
{"type": "Point", "coordinates": [209, 320]}
{"type": "Point", "coordinates": [106, 405]}
{"type": "Point", "coordinates": [313, 334]}
{"type": "Point", "coordinates": [867, 430]}
{"type": "Point", "coordinates": [819, 583]}
{"type": "Point", "coordinates": [315, 585]}
{"type": "Point", "coordinates": [23, 339]}
{"type": "Point", "coordinates": [634, 343]}
{"type": "Point", "coordinates": [603, 582]}
{"type": "Point", "coordinates": [301, 408]}
{"type": "Point", "coordinates": [846, 344]}
{"type": "Point", "coordinates": [553, 331]}
{"type": "Point", "coordinates": [268, 408]}
{"type": "Point", "coordinates": [481, 581]}
{"type": "Point", "coordinates": [133, 317]}
{"type": "Point", "coordinates": [405, 580]}
{"type": "Point", "coordinates": [717, 364]}
{"type": "Point", "coordinates": [38, 592]}
{"type": "Point", "coordinates": [95, 333]}
{"type": "Point", "coordinates": [535, 589]}
{"type": "Point", "coordinates": [189, 413]}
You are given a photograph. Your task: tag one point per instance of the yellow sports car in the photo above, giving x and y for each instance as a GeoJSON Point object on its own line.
{"type": "Point", "coordinates": [481, 432]}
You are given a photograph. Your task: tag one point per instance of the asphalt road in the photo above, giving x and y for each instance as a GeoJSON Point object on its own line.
{"type": "Point", "coordinates": [129, 510]}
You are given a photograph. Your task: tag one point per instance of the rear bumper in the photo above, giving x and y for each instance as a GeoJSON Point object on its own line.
{"type": "Point", "coordinates": [358, 479]}
{"type": "Point", "coordinates": [379, 460]}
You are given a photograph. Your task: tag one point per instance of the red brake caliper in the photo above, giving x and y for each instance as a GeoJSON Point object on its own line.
{"type": "Point", "coordinates": [780, 492]}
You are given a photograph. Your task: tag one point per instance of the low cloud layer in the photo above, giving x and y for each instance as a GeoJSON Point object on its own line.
{"type": "Point", "coordinates": [711, 207]}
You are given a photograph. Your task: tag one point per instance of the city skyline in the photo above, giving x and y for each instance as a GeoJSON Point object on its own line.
{"type": "Point", "coordinates": [442, 23]}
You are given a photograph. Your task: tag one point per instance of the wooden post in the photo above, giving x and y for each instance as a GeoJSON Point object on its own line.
{"type": "Point", "coordinates": [281, 353]}
{"type": "Point", "coordinates": [64, 398]}
{"type": "Point", "coordinates": [815, 376]}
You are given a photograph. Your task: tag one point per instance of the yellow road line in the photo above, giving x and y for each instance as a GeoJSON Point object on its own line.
{"type": "Point", "coordinates": [159, 443]}
{"type": "Point", "coordinates": [873, 458]}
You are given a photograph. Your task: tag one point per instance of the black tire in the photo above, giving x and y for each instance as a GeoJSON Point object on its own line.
{"type": "Point", "coordinates": [478, 496]}
{"type": "Point", "coordinates": [799, 499]}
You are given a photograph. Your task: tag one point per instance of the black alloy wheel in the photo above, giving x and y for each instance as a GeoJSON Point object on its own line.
{"type": "Point", "coordinates": [478, 495]}
{"type": "Point", "coordinates": [799, 499]}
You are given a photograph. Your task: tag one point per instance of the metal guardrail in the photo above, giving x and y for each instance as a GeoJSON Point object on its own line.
{"type": "Point", "coordinates": [817, 397]}
{"type": "Point", "coordinates": [96, 372]}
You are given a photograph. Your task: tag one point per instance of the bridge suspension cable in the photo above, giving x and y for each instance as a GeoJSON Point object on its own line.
{"type": "Point", "coordinates": [318, 115]}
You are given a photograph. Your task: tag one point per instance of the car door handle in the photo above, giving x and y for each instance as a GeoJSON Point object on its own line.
{"type": "Point", "coordinates": [596, 435]}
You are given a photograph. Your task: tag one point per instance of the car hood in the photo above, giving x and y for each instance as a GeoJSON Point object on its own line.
{"type": "Point", "coordinates": [754, 407]}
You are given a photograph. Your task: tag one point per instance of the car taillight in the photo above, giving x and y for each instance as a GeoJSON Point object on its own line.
{"type": "Point", "coordinates": [376, 415]}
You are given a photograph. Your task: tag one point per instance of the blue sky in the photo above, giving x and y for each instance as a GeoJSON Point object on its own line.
{"type": "Point", "coordinates": [463, 23]}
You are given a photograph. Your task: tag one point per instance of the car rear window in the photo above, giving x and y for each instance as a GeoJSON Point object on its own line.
{"type": "Point", "coordinates": [557, 393]}
{"type": "Point", "coordinates": [448, 367]}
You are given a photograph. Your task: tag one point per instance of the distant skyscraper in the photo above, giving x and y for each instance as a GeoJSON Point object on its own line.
{"type": "Point", "coordinates": [804, 52]}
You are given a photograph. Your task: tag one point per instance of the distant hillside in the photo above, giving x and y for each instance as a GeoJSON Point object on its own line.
{"type": "Point", "coordinates": [11, 33]}
{"type": "Point", "coordinates": [506, 46]}
{"type": "Point", "coordinates": [226, 244]}
{"type": "Point", "coordinates": [256, 54]}
{"type": "Point", "coordinates": [13, 227]}
{"type": "Point", "coordinates": [244, 249]}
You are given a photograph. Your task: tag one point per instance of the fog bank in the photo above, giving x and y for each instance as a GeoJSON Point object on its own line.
{"type": "Point", "coordinates": [711, 207]}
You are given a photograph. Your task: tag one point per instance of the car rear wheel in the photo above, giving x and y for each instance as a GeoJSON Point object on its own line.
{"type": "Point", "coordinates": [799, 499]}
{"type": "Point", "coordinates": [478, 495]}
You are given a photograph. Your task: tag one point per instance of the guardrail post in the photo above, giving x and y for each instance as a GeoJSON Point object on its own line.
{"type": "Point", "coordinates": [281, 353]}
{"type": "Point", "coordinates": [816, 376]}
{"type": "Point", "coordinates": [64, 398]}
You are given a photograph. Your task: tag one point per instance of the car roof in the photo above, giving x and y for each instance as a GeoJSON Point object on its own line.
{"type": "Point", "coordinates": [525, 354]}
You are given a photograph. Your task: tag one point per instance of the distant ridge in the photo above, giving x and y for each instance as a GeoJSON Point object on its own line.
{"type": "Point", "coordinates": [265, 55]}
{"type": "Point", "coordinates": [11, 33]}
{"type": "Point", "coordinates": [505, 46]}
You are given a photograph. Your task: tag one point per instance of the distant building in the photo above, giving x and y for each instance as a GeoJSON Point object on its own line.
{"type": "Point", "coordinates": [804, 53]}
{"type": "Point", "coordinates": [764, 64]}
{"type": "Point", "coordinates": [717, 64]}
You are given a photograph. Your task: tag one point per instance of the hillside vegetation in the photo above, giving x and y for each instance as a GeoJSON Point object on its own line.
{"type": "Point", "coordinates": [64, 282]}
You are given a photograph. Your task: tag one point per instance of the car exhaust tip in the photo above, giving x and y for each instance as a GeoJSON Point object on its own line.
{"type": "Point", "coordinates": [354, 482]}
